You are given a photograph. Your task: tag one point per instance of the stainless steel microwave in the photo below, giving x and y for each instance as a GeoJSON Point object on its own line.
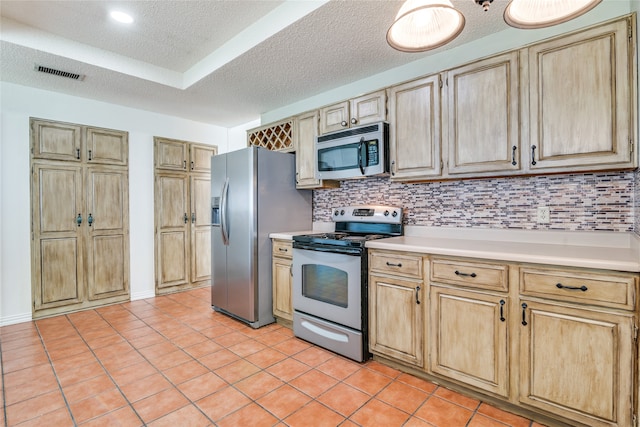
{"type": "Point", "coordinates": [353, 153]}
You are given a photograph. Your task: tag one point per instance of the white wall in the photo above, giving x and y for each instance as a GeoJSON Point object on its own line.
{"type": "Point", "coordinates": [17, 104]}
{"type": "Point", "coordinates": [238, 135]}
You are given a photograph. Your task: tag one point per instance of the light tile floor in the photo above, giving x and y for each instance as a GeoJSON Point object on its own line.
{"type": "Point", "coordinates": [172, 361]}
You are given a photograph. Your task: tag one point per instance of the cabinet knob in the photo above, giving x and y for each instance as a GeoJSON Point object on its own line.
{"type": "Point", "coordinates": [354, 121]}
{"type": "Point", "coordinates": [344, 123]}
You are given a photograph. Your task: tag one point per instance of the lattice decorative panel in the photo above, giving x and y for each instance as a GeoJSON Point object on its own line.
{"type": "Point", "coordinates": [276, 137]}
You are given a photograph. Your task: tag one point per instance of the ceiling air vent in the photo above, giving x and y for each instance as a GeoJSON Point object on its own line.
{"type": "Point", "coordinates": [60, 73]}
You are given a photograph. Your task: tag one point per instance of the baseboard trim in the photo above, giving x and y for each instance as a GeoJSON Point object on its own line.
{"type": "Point", "coordinates": [16, 318]}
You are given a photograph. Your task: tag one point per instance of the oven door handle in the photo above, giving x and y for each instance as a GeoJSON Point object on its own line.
{"type": "Point", "coordinates": [346, 250]}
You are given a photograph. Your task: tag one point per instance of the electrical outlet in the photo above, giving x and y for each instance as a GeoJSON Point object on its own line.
{"type": "Point", "coordinates": [543, 215]}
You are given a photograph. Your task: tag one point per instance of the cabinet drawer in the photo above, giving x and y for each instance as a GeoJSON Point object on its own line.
{"type": "Point", "coordinates": [610, 290]}
{"type": "Point", "coordinates": [473, 274]}
{"type": "Point", "coordinates": [397, 264]}
{"type": "Point", "coordinates": [283, 248]}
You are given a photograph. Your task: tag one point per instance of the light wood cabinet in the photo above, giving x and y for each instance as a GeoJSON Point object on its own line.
{"type": "Point", "coordinates": [182, 214]}
{"type": "Point", "coordinates": [468, 337]}
{"type": "Point", "coordinates": [80, 217]}
{"type": "Point", "coordinates": [281, 279]}
{"type": "Point", "coordinates": [482, 131]}
{"type": "Point", "coordinates": [273, 136]}
{"type": "Point", "coordinates": [577, 362]}
{"type": "Point", "coordinates": [581, 109]}
{"type": "Point", "coordinates": [369, 108]}
{"type": "Point", "coordinates": [415, 132]}
{"type": "Point", "coordinates": [396, 301]}
{"type": "Point", "coordinates": [305, 132]}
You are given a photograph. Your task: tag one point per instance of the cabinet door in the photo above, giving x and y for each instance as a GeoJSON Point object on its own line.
{"type": "Point", "coordinates": [201, 157]}
{"type": "Point", "coordinates": [577, 363]}
{"type": "Point", "coordinates": [581, 100]}
{"type": "Point", "coordinates": [334, 117]}
{"type": "Point", "coordinates": [56, 141]}
{"type": "Point", "coordinates": [107, 146]}
{"type": "Point", "coordinates": [172, 231]}
{"type": "Point", "coordinates": [395, 319]}
{"type": "Point", "coordinates": [482, 116]}
{"type": "Point", "coordinates": [368, 108]}
{"type": "Point", "coordinates": [281, 273]}
{"type": "Point", "coordinates": [200, 195]}
{"type": "Point", "coordinates": [107, 226]}
{"type": "Point", "coordinates": [306, 130]}
{"type": "Point", "coordinates": [171, 154]}
{"type": "Point", "coordinates": [469, 338]}
{"type": "Point", "coordinates": [415, 137]}
{"type": "Point", "coordinates": [57, 236]}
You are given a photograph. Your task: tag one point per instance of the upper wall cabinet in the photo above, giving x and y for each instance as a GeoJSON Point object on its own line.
{"type": "Point", "coordinates": [415, 133]}
{"type": "Point", "coordinates": [274, 136]}
{"type": "Point", "coordinates": [482, 130]}
{"type": "Point", "coordinates": [582, 100]}
{"type": "Point", "coordinates": [176, 155]}
{"type": "Point", "coordinates": [365, 109]}
{"type": "Point", "coordinates": [305, 130]}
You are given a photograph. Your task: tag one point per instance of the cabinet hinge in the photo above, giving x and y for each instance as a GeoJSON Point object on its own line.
{"type": "Point", "coordinates": [629, 30]}
{"type": "Point", "coordinates": [635, 333]}
{"type": "Point", "coordinates": [440, 81]}
{"type": "Point", "coordinates": [630, 145]}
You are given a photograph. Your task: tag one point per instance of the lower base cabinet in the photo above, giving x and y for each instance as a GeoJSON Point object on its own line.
{"type": "Point", "coordinates": [577, 363]}
{"type": "Point", "coordinates": [281, 279]}
{"type": "Point", "coordinates": [469, 338]}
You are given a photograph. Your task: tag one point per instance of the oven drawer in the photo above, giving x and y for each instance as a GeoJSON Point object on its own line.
{"type": "Point", "coordinates": [604, 289]}
{"type": "Point", "coordinates": [283, 248]}
{"type": "Point", "coordinates": [397, 264]}
{"type": "Point", "coordinates": [468, 273]}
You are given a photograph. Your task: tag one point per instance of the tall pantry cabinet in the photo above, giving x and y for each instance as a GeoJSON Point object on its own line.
{"type": "Point", "coordinates": [182, 214]}
{"type": "Point", "coordinates": [79, 217]}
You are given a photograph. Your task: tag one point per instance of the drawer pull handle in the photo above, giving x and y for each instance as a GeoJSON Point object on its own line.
{"type": "Point", "coordinates": [390, 264]}
{"type": "Point", "coordinates": [502, 303]}
{"type": "Point", "coordinates": [458, 273]}
{"type": "Point", "coordinates": [283, 249]}
{"type": "Point", "coordinates": [417, 294]}
{"type": "Point", "coordinates": [582, 288]}
{"type": "Point", "coordinates": [524, 313]}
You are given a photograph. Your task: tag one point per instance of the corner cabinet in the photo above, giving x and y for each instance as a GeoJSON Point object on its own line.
{"type": "Point", "coordinates": [182, 214]}
{"type": "Point", "coordinates": [582, 100]}
{"type": "Point", "coordinates": [282, 251]}
{"type": "Point", "coordinates": [80, 217]}
{"type": "Point", "coordinates": [369, 108]}
{"type": "Point", "coordinates": [415, 135]}
{"type": "Point", "coordinates": [396, 304]}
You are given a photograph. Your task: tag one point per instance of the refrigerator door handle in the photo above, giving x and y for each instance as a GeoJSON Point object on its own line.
{"type": "Point", "coordinates": [223, 213]}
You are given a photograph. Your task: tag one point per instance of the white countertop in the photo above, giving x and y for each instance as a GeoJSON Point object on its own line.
{"type": "Point", "coordinates": [589, 249]}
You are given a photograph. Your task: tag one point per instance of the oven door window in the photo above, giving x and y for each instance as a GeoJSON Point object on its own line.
{"type": "Point", "coordinates": [326, 284]}
{"type": "Point", "coordinates": [345, 156]}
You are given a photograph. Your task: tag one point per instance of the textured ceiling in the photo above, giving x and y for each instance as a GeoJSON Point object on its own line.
{"type": "Point", "coordinates": [218, 62]}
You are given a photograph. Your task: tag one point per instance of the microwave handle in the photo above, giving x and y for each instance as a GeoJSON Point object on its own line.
{"type": "Point", "coordinates": [360, 164]}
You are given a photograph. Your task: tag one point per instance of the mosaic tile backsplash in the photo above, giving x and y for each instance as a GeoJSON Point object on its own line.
{"type": "Point", "coordinates": [585, 202]}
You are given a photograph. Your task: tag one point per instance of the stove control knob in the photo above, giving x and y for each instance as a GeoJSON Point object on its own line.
{"type": "Point", "coordinates": [394, 214]}
{"type": "Point", "coordinates": [386, 213]}
{"type": "Point", "coordinates": [336, 213]}
{"type": "Point", "coordinates": [342, 212]}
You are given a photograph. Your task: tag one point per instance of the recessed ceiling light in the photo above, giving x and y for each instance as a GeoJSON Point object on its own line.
{"type": "Point", "coordinates": [121, 17]}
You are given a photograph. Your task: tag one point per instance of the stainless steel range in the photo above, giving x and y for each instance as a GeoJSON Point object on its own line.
{"type": "Point", "coordinates": [330, 278]}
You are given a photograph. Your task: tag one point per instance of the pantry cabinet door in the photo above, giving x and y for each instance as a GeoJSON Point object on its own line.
{"type": "Point", "coordinates": [58, 227]}
{"type": "Point", "coordinates": [415, 135]}
{"type": "Point", "coordinates": [172, 230]}
{"type": "Point", "coordinates": [581, 100]}
{"type": "Point", "coordinates": [200, 191]}
{"type": "Point", "coordinates": [201, 157]}
{"type": "Point", "coordinates": [56, 141]}
{"type": "Point", "coordinates": [483, 122]}
{"type": "Point", "coordinates": [107, 232]}
{"type": "Point", "coordinates": [171, 154]}
{"type": "Point", "coordinates": [105, 146]}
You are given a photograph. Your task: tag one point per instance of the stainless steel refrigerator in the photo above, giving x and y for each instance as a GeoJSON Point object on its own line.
{"type": "Point", "coordinates": [252, 195]}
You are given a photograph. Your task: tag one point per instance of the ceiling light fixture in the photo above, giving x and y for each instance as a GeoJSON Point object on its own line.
{"type": "Point", "coordinates": [422, 25]}
{"type": "Point", "coordinates": [121, 17]}
{"type": "Point", "coordinates": [545, 13]}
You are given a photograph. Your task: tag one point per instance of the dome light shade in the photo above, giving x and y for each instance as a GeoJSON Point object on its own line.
{"type": "Point", "coordinates": [529, 14]}
{"type": "Point", "coordinates": [423, 25]}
